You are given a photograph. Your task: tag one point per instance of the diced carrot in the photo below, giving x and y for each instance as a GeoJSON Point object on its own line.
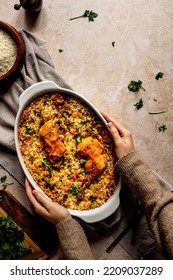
{"type": "Point", "coordinates": [84, 134]}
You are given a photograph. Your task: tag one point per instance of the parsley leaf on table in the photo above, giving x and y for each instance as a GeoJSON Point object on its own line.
{"type": "Point", "coordinates": [159, 76]}
{"type": "Point", "coordinates": [135, 86]}
{"type": "Point", "coordinates": [139, 104]}
{"type": "Point", "coordinates": [90, 14]}
{"type": "Point", "coordinates": [161, 127]}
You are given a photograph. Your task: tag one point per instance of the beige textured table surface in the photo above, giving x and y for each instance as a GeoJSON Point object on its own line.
{"type": "Point", "coordinates": [143, 35]}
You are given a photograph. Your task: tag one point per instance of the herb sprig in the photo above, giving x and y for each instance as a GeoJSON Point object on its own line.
{"type": "Point", "coordinates": [3, 182]}
{"type": "Point", "coordinates": [89, 14]}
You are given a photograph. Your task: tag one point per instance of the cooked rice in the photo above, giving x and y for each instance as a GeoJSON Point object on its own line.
{"type": "Point", "coordinates": [75, 118]}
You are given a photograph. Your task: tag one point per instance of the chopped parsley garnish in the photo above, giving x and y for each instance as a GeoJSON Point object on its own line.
{"type": "Point", "coordinates": [47, 163]}
{"type": "Point", "coordinates": [90, 14]}
{"type": "Point", "coordinates": [77, 150]}
{"type": "Point", "coordinates": [78, 139]}
{"type": "Point", "coordinates": [159, 76]}
{"type": "Point", "coordinates": [29, 130]}
{"type": "Point", "coordinates": [113, 44]}
{"type": "Point", "coordinates": [83, 120]}
{"type": "Point", "coordinates": [93, 198]}
{"type": "Point", "coordinates": [82, 160]}
{"type": "Point", "coordinates": [12, 244]}
{"type": "Point", "coordinates": [75, 190]}
{"type": "Point", "coordinates": [139, 104]}
{"type": "Point", "coordinates": [135, 86]}
{"type": "Point", "coordinates": [60, 50]}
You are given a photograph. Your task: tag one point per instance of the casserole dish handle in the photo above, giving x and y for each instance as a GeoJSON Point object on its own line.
{"type": "Point", "coordinates": [35, 89]}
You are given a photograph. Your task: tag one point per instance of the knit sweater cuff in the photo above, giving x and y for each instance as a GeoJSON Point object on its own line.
{"type": "Point", "coordinates": [138, 176]}
{"type": "Point", "coordinates": [142, 181]}
{"type": "Point", "coordinates": [73, 240]}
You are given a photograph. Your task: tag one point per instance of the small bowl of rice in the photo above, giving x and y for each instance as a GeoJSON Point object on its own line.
{"type": "Point", "coordinates": [12, 51]}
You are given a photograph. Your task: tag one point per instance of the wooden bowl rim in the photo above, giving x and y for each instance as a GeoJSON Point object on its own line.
{"type": "Point", "coordinates": [20, 49]}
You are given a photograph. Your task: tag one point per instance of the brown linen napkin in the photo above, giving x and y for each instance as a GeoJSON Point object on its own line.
{"type": "Point", "coordinates": [37, 67]}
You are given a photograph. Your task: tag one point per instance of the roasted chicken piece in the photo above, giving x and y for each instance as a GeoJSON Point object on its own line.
{"type": "Point", "coordinates": [54, 148]}
{"type": "Point", "coordinates": [96, 161]}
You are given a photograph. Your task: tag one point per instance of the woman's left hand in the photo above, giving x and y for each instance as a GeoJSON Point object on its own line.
{"type": "Point", "coordinates": [48, 209]}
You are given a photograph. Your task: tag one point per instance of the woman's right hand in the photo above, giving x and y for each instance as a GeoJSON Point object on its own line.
{"type": "Point", "coordinates": [122, 137]}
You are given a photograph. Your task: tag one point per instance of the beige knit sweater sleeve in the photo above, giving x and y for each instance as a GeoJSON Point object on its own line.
{"type": "Point", "coordinates": [73, 240]}
{"type": "Point", "coordinates": [157, 202]}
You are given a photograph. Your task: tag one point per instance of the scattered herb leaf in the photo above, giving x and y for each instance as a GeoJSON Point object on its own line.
{"type": "Point", "coordinates": [3, 178]}
{"type": "Point", "coordinates": [60, 50]}
{"type": "Point", "coordinates": [159, 76]}
{"type": "Point", "coordinates": [139, 104]}
{"type": "Point", "coordinates": [135, 86]}
{"type": "Point", "coordinates": [113, 44]}
{"type": "Point", "coordinates": [161, 127]}
{"type": "Point", "coordinates": [3, 182]}
{"type": "Point", "coordinates": [90, 14]}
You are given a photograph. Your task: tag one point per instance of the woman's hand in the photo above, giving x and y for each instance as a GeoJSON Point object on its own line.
{"type": "Point", "coordinates": [51, 211]}
{"type": "Point", "coordinates": [122, 137]}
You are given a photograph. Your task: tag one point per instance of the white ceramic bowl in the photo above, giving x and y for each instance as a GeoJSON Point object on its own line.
{"type": "Point", "coordinates": [89, 216]}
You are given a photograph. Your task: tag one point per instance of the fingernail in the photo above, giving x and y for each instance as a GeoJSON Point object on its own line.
{"type": "Point", "coordinates": [110, 125]}
{"type": "Point", "coordinates": [34, 192]}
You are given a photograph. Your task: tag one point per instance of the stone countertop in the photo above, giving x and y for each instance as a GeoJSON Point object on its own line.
{"type": "Point", "coordinates": [101, 72]}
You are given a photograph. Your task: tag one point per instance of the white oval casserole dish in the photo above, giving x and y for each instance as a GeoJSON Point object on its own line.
{"type": "Point", "coordinates": [89, 216]}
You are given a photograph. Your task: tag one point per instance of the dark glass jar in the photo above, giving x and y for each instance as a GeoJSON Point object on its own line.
{"type": "Point", "coordinates": [30, 5]}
